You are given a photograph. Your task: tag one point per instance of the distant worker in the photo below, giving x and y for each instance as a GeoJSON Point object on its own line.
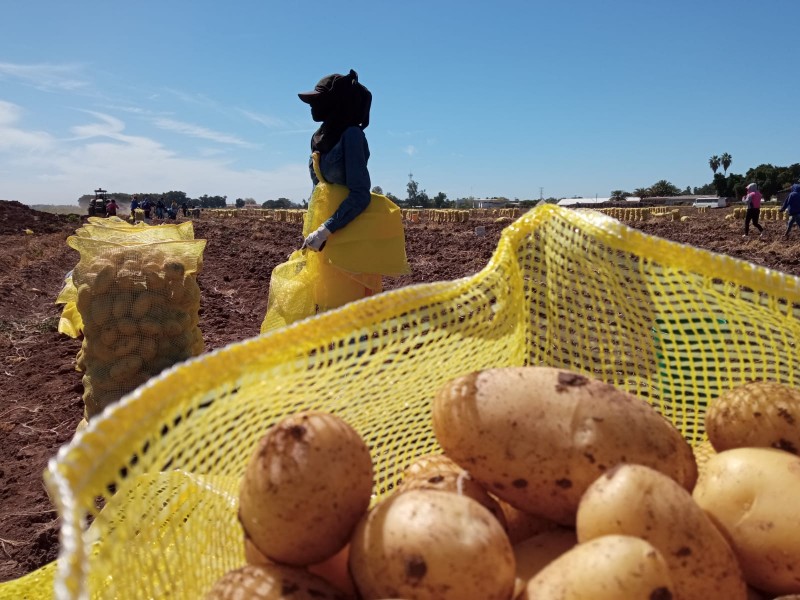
{"type": "Point", "coordinates": [753, 200]}
{"type": "Point", "coordinates": [185, 209]}
{"type": "Point", "coordinates": [792, 204]}
{"type": "Point", "coordinates": [160, 208]}
{"type": "Point", "coordinates": [147, 207]}
{"type": "Point", "coordinates": [134, 206]}
{"type": "Point", "coordinates": [111, 208]}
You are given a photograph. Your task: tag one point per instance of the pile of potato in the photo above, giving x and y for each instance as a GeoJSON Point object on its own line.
{"type": "Point", "coordinates": [552, 485]}
{"type": "Point", "coordinates": [140, 307]}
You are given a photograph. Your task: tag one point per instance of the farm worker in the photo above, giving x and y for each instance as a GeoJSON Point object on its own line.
{"type": "Point", "coordinates": [111, 208]}
{"type": "Point", "coordinates": [792, 204]}
{"type": "Point", "coordinates": [160, 207]}
{"type": "Point", "coordinates": [339, 216]}
{"type": "Point", "coordinates": [134, 206]}
{"type": "Point", "coordinates": [352, 238]}
{"type": "Point", "coordinates": [147, 206]}
{"type": "Point", "coordinates": [753, 200]}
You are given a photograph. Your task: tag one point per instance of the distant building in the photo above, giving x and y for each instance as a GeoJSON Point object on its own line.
{"type": "Point", "coordinates": [484, 203]}
{"type": "Point", "coordinates": [597, 201]}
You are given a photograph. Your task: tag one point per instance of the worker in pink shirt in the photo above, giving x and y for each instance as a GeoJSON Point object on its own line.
{"type": "Point", "coordinates": [753, 201]}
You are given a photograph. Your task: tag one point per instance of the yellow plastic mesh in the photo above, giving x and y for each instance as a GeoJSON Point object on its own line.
{"type": "Point", "coordinates": [138, 304]}
{"type": "Point", "coordinates": [112, 229]}
{"type": "Point", "coordinates": [573, 289]}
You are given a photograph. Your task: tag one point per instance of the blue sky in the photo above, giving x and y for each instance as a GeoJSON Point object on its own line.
{"type": "Point", "coordinates": [479, 99]}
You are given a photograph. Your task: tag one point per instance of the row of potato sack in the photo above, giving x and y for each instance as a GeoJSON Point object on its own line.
{"type": "Point", "coordinates": [552, 485]}
{"type": "Point", "coordinates": [139, 308]}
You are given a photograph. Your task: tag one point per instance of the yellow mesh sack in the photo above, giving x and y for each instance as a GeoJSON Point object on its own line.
{"type": "Point", "coordinates": [138, 303]}
{"type": "Point", "coordinates": [70, 322]}
{"type": "Point", "coordinates": [349, 266]}
{"type": "Point", "coordinates": [565, 288]}
{"type": "Point", "coordinates": [139, 232]}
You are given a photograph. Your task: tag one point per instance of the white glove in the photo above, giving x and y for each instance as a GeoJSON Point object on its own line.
{"type": "Point", "coordinates": [316, 240]}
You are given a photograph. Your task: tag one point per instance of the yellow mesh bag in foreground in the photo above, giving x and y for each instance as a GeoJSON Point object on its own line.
{"type": "Point", "coordinates": [573, 289]}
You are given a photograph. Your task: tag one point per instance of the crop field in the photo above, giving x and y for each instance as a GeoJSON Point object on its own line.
{"type": "Point", "coordinates": [42, 391]}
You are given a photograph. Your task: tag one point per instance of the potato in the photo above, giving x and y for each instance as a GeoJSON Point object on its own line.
{"type": "Point", "coordinates": [141, 305]}
{"type": "Point", "coordinates": [305, 488]}
{"type": "Point", "coordinates": [702, 452]}
{"type": "Point", "coordinates": [536, 437]}
{"type": "Point", "coordinates": [612, 567]}
{"type": "Point", "coordinates": [639, 501]}
{"type": "Point", "coordinates": [174, 270]}
{"type": "Point", "coordinates": [126, 367]}
{"type": "Point", "coordinates": [272, 582]}
{"type": "Point", "coordinates": [102, 282]}
{"type": "Point", "coordinates": [757, 414]}
{"type": "Point", "coordinates": [333, 570]}
{"type": "Point", "coordinates": [535, 553]}
{"type": "Point", "coordinates": [753, 495]}
{"type": "Point", "coordinates": [431, 545]}
{"type": "Point", "coordinates": [521, 525]}
{"type": "Point", "coordinates": [437, 472]}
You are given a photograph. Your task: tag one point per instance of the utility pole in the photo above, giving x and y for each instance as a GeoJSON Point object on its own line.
{"type": "Point", "coordinates": [541, 195]}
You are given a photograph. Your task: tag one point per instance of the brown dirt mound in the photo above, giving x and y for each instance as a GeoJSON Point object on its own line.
{"type": "Point", "coordinates": [16, 217]}
{"type": "Point", "coordinates": [42, 404]}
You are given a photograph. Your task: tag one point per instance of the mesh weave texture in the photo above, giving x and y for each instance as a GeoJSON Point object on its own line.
{"type": "Point", "coordinates": [566, 288]}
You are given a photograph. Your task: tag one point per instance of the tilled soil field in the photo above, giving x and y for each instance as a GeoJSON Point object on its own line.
{"type": "Point", "coordinates": [41, 394]}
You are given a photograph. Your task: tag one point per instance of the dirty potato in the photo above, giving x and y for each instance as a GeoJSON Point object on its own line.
{"type": "Point", "coordinates": [756, 414]}
{"type": "Point", "coordinates": [612, 567]}
{"type": "Point", "coordinates": [639, 501]}
{"type": "Point", "coordinates": [536, 437]}
{"type": "Point", "coordinates": [305, 488]}
{"type": "Point", "coordinates": [431, 545]}
{"type": "Point", "coordinates": [272, 582]}
{"type": "Point", "coordinates": [752, 496]}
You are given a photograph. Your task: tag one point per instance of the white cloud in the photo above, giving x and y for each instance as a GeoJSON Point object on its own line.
{"type": "Point", "coordinates": [102, 154]}
{"type": "Point", "coordinates": [15, 139]}
{"type": "Point", "coordinates": [198, 131]}
{"type": "Point", "coordinates": [410, 150]}
{"type": "Point", "coordinates": [265, 120]}
{"type": "Point", "coordinates": [45, 77]}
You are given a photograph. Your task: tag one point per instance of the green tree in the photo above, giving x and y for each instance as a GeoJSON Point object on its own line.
{"type": "Point", "coordinates": [239, 203]}
{"type": "Point", "coordinates": [664, 188]}
{"type": "Point", "coordinates": [726, 161]}
{"type": "Point", "coordinates": [440, 200]}
{"type": "Point", "coordinates": [179, 197]}
{"type": "Point", "coordinates": [714, 163]}
{"type": "Point", "coordinates": [416, 197]}
{"type": "Point", "coordinates": [619, 194]}
{"type": "Point", "coordinates": [642, 192]}
{"type": "Point", "coordinates": [377, 190]}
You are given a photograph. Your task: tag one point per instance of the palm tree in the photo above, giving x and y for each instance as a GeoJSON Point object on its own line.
{"type": "Point", "coordinates": [726, 161]}
{"type": "Point", "coordinates": [714, 163]}
{"type": "Point", "coordinates": [642, 192]}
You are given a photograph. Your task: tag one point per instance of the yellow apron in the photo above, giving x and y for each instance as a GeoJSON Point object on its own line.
{"type": "Point", "coordinates": [349, 267]}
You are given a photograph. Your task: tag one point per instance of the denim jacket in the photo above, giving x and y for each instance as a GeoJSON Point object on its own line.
{"type": "Point", "coordinates": [346, 164]}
